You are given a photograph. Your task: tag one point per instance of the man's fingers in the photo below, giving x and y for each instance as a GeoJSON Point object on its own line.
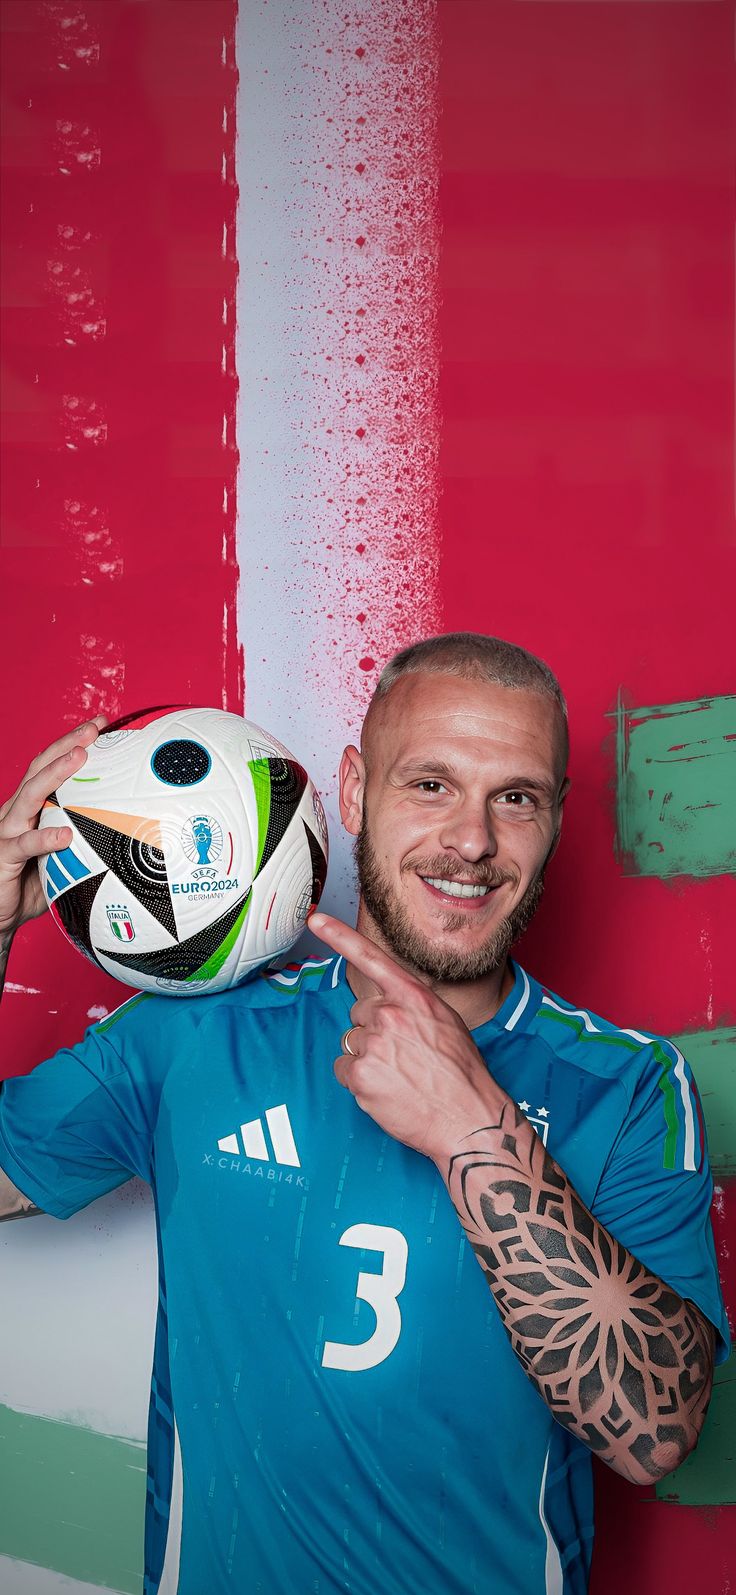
{"type": "Point", "coordinates": [81, 736]}
{"type": "Point", "coordinates": [365, 1011]}
{"type": "Point", "coordinates": [26, 806]}
{"type": "Point", "coordinates": [17, 850]}
{"type": "Point", "coordinates": [74, 743]}
{"type": "Point", "coordinates": [342, 1066]}
{"type": "Point", "coordinates": [372, 962]}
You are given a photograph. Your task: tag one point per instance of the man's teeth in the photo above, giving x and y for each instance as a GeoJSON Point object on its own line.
{"type": "Point", "coordinates": [456, 888]}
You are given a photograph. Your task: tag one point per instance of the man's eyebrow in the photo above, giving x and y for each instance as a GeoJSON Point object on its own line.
{"type": "Point", "coordinates": [429, 768]}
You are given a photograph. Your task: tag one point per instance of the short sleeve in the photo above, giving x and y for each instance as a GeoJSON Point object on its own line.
{"type": "Point", "coordinates": [82, 1122]}
{"type": "Point", "coordinates": [655, 1191]}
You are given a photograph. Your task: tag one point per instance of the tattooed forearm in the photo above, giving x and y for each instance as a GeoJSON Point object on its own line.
{"type": "Point", "coordinates": [621, 1360]}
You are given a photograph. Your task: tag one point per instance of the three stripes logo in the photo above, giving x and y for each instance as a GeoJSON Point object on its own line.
{"type": "Point", "coordinates": [63, 870]}
{"type": "Point", "coordinates": [255, 1145]}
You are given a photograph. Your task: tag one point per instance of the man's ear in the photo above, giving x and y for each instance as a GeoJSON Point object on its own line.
{"type": "Point", "coordinates": [352, 787]}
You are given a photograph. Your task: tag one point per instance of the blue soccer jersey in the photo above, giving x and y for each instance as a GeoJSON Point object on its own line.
{"type": "Point", "coordinates": [335, 1403]}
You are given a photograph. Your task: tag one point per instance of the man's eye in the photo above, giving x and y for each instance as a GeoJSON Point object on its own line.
{"type": "Point", "coordinates": [517, 800]}
{"type": "Point", "coordinates": [430, 786]}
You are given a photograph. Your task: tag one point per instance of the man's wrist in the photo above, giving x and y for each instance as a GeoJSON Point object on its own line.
{"type": "Point", "coordinates": [486, 1114]}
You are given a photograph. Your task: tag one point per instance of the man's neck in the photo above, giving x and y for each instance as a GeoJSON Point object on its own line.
{"type": "Point", "coordinates": [475, 1001]}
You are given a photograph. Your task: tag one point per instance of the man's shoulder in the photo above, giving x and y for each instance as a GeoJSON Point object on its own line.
{"type": "Point", "coordinates": [588, 1041]}
{"type": "Point", "coordinates": [146, 1013]}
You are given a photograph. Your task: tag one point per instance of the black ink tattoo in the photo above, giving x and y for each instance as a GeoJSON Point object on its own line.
{"type": "Point", "coordinates": [621, 1360]}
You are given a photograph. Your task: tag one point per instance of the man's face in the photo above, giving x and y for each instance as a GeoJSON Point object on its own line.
{"type": "Point", "coordinates": [456, 811]}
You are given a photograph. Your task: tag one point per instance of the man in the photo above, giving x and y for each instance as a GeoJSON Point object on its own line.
{"type": "Point", "coordinates": [342, 1398]}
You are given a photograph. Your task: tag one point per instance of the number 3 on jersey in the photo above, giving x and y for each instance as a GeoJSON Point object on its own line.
{"type": "Point", "coordinates": [381, 1291]}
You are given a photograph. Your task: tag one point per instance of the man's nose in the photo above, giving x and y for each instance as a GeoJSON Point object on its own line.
{"type": "Point", "coordinates": [468, 831]}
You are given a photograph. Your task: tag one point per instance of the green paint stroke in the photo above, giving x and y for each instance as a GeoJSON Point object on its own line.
{"type": "Point", "coordinates": [712, 1057]}
{"type": "Point", "coordinates": [708, 1477]}
{"type": "Point", "coordinates": [676, 776]}
{"type": "Point", "coordinates": [72, 1500]}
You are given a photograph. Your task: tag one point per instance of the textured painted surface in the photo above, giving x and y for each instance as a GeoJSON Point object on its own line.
{"type": "Point", "coordinates": [587, 462]}
{"type": "Point", "coordinates": [27, 1578]}
{"type": "Point", "coordinates": [338, 362]}
{"type": "Point", "coordinates": [676, 785]}
{"type": "Point", "coordinates": [99, 1270]}
{"type": "Point", "coordinates": [586, 321]}
{"type": "Point", "coordinates": [73, 1500]}
{"type": "Point", "coordinates": [712, 1055]}
{"type": "Point", "coordinates": [119, 391]}
{"type": "Point", "coordinates": [118, 507]}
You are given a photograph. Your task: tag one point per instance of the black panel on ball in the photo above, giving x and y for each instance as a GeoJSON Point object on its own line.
{"type": "Point", "coordinates": [177, 963]}
{"type": "Point", "coordinates": [319, 866]}
{"type": "Point", "coordinates": [137, 866]}
{"type": "Point", "coordinates": [288, 783]}
{"type": "Point", "coordinates": [74, 909]}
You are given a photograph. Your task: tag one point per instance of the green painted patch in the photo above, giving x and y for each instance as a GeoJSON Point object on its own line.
{"type": "Point", "coordinates": [712, 1055]}
{"type": "Point", "coordinates": [72, 1500]}
{"type": "Point", "coordinates": [675, 784]}
{"type": "Point", "coordinates": [708, 1478]}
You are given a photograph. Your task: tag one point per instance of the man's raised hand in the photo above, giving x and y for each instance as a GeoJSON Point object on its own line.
{"type": "Point", "coordinates": [21, 841]}
{"type": "Point", "coordinates": [411, 1063]}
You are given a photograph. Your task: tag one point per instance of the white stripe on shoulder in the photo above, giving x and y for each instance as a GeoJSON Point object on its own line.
{"type": "Point", "coordinates": [289, 977]}
{"type": "Point", "coordinates": [685, 1092]}
{"type": "Point", "coordinates": [521, 1004]}
{"type": "Point", "coordinates": [169, 1581]}
{"type": "Point", "coordinates": [553, 1579]}
{"type": "Point", "coordinates": [575, 1013]}
{"type": "Point", "coordinates": [336, 971]}
{"type": "Point", "coordinates": [647, 1041]}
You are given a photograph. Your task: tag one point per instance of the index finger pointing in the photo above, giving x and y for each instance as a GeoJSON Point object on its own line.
{"type": "Point", "coordinates": [392, 981]}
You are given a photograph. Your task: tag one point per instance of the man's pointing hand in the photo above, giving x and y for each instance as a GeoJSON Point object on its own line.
{"type": "Point", "coordinates": [409, 1060]}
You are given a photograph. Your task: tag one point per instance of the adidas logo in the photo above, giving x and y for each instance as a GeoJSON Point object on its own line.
{"type": "Point", "coordinates": [255, 1144]}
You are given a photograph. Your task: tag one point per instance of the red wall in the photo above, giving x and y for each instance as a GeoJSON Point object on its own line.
{"type": "Point", "coordinates": [118, 504]}
{"type": "Point", "coordinates": [586, 288]}
{"type": "Point", "coordinates": [587, 400]}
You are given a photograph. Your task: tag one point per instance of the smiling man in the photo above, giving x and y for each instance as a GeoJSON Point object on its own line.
{"type": "Point", "coordinates": [402, 1299]}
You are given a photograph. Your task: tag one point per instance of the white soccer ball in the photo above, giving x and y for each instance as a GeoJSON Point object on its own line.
{"type": "Point", "coordinates": [199, 848]}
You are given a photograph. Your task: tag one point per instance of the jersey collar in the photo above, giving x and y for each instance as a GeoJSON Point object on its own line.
{"type": "Point", "coordinates": [515, 1012]}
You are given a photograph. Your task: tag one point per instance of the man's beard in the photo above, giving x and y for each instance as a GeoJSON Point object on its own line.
{"type": "Point", "coordinates": [411, 947]}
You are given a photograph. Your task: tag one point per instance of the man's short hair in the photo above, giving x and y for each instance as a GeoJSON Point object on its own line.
{"type": "Point", "coordinates": [476, 657]}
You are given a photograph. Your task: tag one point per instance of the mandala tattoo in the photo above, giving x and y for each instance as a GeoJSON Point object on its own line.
{"type": "Point", "coordinates": [619, 1358]}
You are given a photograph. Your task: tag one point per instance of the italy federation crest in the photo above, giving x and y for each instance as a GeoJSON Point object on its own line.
{"type": "Point", "coordinates": [121, 923]}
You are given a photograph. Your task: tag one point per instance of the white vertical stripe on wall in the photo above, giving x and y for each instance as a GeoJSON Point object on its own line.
{"type": "Point", "coordinates": [337, 361]}
{"type": "Point", "coordinates": [96, 1275]}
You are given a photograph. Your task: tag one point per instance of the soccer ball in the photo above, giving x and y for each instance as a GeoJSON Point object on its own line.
{"type": "Point", "coordinates": [199, 848]}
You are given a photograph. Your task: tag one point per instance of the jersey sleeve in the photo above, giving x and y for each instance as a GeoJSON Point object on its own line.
{"type": "Point", "coordinates": [655, 1192]}
{"type": "Point", "coordinates": [82, 1122]}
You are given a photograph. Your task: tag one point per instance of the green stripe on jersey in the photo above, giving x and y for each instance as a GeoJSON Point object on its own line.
{"type": "Point", "coordinates": [286, 988]}
{"type": "Point", "coordinates": [665, 1081]}
{"type": "Point", "coordinates": [125, 1007]}
{"type": "Point", "coordinates": [582, 1031]}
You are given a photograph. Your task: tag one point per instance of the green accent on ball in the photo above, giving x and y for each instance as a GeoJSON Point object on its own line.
{"type": "Point", "coordinates": [261, 776]}
{"type": "Point", "coordinates": [216, 960]}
